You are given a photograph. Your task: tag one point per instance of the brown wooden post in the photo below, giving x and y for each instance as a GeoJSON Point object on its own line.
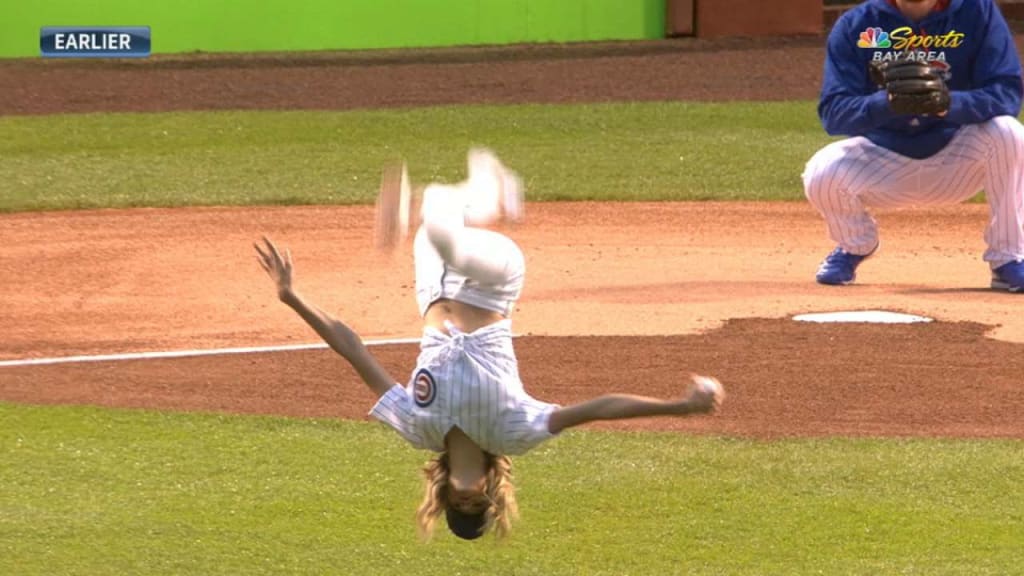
{"type": "Point", "coordinates": [679, 17]}
{"type": "Point", "coordinates": [758, 17]}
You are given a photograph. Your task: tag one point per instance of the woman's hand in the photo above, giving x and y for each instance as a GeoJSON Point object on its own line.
{"type": "Point", "coordinates": [277, 267]}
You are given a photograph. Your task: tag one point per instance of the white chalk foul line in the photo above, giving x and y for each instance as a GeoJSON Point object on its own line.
{"type": "Point", "coordinates": [187, 353]}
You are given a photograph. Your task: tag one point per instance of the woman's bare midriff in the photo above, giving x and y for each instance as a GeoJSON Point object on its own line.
{"type": "Point", "coordinates": [463, 316]}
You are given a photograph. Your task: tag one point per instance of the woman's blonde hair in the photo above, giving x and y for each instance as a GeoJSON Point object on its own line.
{"type": "Point", "coordinates": [500, 492]}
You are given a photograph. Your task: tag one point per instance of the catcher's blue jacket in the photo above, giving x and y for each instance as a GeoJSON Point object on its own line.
{"type": "Point", "coordinates": [968, 41]}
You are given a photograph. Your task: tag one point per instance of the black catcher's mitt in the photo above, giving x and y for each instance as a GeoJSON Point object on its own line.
{"type": "Point", "coordinates": [914, 87]}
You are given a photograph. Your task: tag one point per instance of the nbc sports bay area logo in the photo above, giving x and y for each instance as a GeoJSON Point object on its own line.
{"type": "Point", "coordinates": [904, 38]}
{"type": "Point", "coordinates": [874, 38]}
{"type": "Point", "coordinates": [94, 41]}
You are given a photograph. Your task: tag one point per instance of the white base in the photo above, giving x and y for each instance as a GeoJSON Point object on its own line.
{"type": "Point", "coordinates": [873, 316]}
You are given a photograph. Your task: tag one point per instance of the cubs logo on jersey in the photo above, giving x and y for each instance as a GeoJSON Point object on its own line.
{"type": "Point", "coordinates": [424, 389]}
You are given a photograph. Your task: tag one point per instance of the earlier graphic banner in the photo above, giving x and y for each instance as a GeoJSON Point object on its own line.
{"type": "Point", "coordinates": [95, 41]}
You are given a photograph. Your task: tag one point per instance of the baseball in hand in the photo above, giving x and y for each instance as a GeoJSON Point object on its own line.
{"type": "Point", "coordinates": [709, 393]}
{"type": "Point", "coordinates": [708, 384]}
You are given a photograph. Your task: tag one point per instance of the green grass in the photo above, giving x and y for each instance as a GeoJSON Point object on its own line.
{"type": "Point", "coordinates": [644, 151]}
{"type": "Point", "coordinates": [94, 491]}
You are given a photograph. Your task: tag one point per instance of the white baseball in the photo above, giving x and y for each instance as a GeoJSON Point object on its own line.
{"type": "Point", "coordinates": [708, 384]}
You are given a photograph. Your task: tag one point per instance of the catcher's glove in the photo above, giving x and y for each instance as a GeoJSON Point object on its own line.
{"type": "Point", "coordinates": [913, 86]}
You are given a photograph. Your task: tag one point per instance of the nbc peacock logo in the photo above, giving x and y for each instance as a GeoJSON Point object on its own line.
{"type": "Point", "coordinates": [874, 38]}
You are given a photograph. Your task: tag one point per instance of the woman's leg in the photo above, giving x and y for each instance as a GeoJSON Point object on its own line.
{"type": "Point", "coordinates": [483, 255]}
{"type": "Point", "coordinates": [456, 260]}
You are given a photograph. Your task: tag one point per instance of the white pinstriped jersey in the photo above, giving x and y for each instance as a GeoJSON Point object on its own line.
{"type": "Point", "coordinates": [470, 381]}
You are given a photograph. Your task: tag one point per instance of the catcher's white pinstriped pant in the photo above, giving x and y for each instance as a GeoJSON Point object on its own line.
{"type": "Point", "coordinates": [846, 178]}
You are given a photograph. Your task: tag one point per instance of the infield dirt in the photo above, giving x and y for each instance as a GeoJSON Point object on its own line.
{"type": "Point", "coordinates": [626, 297]}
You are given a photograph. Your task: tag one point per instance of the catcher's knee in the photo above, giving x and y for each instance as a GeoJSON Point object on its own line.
{"type": "Point", "coordinates": [1006, 123]}
{"type": "Point", "coordinates": [1008, 131]}
{"type": "Point", "coordinates": [818, 178]}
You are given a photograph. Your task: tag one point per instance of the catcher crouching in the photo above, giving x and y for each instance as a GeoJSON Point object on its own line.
{"type": "Point", "coordinates": [927, 93]}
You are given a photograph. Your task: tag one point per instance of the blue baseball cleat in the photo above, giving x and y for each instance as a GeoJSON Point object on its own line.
{"type": "Point", "coordinates": [1009, 277]}
{"type": "Point", "coordinates": [840, 267]}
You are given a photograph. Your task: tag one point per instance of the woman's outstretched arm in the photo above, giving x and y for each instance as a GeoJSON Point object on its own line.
{"type": "Point", "coordinates": [704, 396]}
{"type": "Point", "coordinates": [334, 332]}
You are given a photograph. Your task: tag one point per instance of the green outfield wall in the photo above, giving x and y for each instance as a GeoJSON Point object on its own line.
{"type": "Point", "coordinates": [284, 25]}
